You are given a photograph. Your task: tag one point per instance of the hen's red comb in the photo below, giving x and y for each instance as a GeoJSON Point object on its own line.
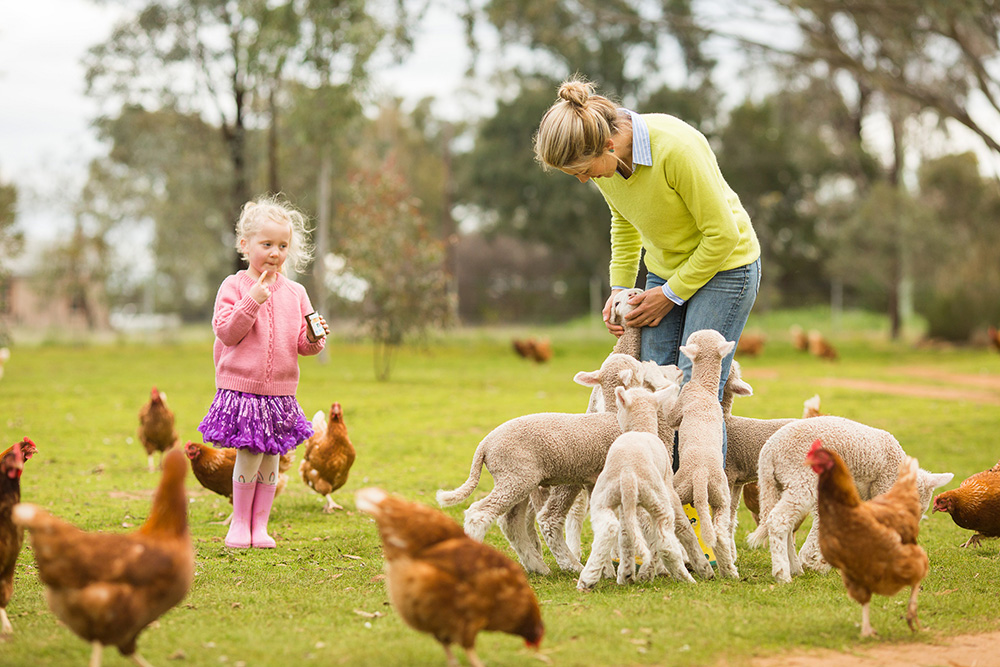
{"type": "Point", "coordinates": [816, 445]}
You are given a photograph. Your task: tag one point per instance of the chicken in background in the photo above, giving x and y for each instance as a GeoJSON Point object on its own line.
{"type": "Point", "coordinates": [524, 347]}
{"type": "Point", "coordinates": [11, 536]}
{"type": "Point", "coordinates": [213, 468]}
{"type": "Point", "coordinates": [873, 543]}
{"type": "Point", "coordinates": [442, 582]}
{"type": "Point", "coordinates": [821, 347]}
{"type": "Point", "coordinates": [975, 505]}
{"type": "Point", "coordinates": [750, 344]}
{"type": "Point", "coordinates": [994, 336]}
{"type": "Point", "coordinates": [156, 426]}
{"type": "Point", "coordinates": [328, 456]}
{"type": "Point", "coordinates": [799, 339]}
{"type": "Point", "coordinates": [538, 350]}
{"type": "Point", "coordinates": [108, 587]}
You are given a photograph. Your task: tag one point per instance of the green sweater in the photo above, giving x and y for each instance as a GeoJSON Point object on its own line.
{"type": "Point", "coordinates": [680, 209]}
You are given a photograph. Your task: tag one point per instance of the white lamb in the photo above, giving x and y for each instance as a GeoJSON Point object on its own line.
{"type": "Point", "coordinates": [697, 415]}
{"type": "Point", "coordinates": [788, 488]}
{"type": "Point", "coordinates": [745, 438]}
{"type": "Point", "coordinates": [635, 476]}
{"type": "Point", "coordinates": [543, 449]}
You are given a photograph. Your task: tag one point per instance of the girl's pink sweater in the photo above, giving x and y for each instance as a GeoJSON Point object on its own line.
{"type": "Point", "coordinates": [257, 345]}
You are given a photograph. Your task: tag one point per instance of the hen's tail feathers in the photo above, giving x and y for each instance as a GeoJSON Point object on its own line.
{"type": "Point", "coordinates": [30, 516]}
{"type": "Point", "coordinates": [369, 499]}
{"type": "Point", "coordinates": [319, 423]}
{"type": "Point", "coordinates": [449, 498]}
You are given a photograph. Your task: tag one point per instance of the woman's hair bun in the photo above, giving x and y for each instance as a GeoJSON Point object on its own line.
{"type": "Point", "coordinates": [576, 91]}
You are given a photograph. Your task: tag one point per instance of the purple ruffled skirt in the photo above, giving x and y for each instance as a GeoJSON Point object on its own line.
{"type": "Point", "coordinates": [259, 424]}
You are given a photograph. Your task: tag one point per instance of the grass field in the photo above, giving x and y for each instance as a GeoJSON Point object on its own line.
{"type": "Point", "coordinates": [318, 599]}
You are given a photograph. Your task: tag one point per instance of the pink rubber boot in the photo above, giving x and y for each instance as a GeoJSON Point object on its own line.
{"type": "Point", "coordinates": [239, 529]}
{"type": "Point", "coordinates": [262, 499]}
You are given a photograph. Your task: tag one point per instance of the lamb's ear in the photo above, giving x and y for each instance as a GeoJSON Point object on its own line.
{"type": "Point", "coordinates": [939, 479]}
{"type": "Point", "coordinates": [666, 397]}
{"type": "Point", "coordinates": [620, 398]}
{"type": "Point", "coordinates": [627, 377]}
{"type": "Point", "coordinates": [738, 387]}
{"type": "Point", "coordinates": [673, 373]}
{"type": "Point", "coordinates": [690, 350]}
{"type": "Point", "coordinates": [588, 378]}
{"type": "Point", "coordinates": [726, 348]}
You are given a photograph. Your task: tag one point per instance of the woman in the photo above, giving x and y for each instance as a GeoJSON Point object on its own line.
{"type": "Point", "coordinates": [667, 196]}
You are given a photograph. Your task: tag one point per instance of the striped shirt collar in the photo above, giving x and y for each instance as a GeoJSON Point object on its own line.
{"type": "Point", "coordinates": [642, 150]}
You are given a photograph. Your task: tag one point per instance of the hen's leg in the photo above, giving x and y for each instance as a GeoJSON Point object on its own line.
{"type": "Point", "coordinates": [973, 541]}
{"type": "Point", "coordinates": [452, 660]}
{"type": "Point", "coordinates": [911, 609]}
{"type": "Point", "coordinates": [866, 626]}
{"type": "Point", "coordinates": [331, 505]}
{"type": "Point", "coordinates": [149, 462]}
{"type": "Point", "coordinates": [473, 658]}
{"type": "Point", "coordinates": [139, 660]}
{"type": "Point", "coordinates": [95, 654]}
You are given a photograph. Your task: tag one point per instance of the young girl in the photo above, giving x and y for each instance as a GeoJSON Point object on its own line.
{"type": "Point", "coordinates": [260, 329]}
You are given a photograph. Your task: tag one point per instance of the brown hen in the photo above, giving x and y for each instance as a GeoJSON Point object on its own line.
{"type": "Point", "coordinates": [11, 536]}
{"type": "Point", "coordinates": [108, 587]}
{"type": "Point", "coordinates": [975, 505]}
{"type": "Point", "coordinates": [213, 468]}
{"type": "Point", "coordinates": [873, 543]}
{"type": "Point", "coordinates": [328, 456]}
{"type": "Point", "coordinates": [156, 426]}
{"type": "Point", "coordinates": [442, 582]}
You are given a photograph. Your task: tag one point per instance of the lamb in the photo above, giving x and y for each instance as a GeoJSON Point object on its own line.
{"type": "Point", "coordinates": [542, 449]}
{"type": "Point", "coordinates": [788, 488]}
{"type": "Point", "coordinates": [628, 345]}
{"type": "Point", "coordinates": [745, 438]}
{"type": "Point", "coordinates": [636, 475]}
{"type": "Point", "coordinates": [697, 415]}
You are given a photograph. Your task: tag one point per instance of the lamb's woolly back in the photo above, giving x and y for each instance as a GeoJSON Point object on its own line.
{"type": "Point", "coordinates": [872, 455]}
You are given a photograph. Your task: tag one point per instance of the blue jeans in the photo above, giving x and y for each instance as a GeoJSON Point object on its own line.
{"type": "Point", "coordinates": [723, 304]}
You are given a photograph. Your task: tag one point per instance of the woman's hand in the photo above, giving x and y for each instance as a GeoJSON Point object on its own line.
{"type": "Point", "coordinates": [616, 329]}
{"type": "Point", "coordinates": [649, 308]}
{"type": "Point", "coordinates": [259, 291]}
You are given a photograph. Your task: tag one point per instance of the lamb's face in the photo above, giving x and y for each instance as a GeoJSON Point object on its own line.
{"type": "Point", "coordinates": [620, 307]}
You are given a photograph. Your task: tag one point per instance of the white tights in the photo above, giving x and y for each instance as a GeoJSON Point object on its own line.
{"type": "Point", "coordinates": [252, 467]}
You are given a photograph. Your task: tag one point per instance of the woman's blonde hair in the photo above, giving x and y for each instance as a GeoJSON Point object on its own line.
{"type": "Point", "coordinates": [575, 129]}
{"type": "Point", "coordinates": [274, 208]}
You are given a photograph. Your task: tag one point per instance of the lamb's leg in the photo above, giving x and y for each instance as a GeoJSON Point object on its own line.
{"type": "Point", "coordinates": [781, 522]}
{"type": "Point", "coordinates": [574, 523]}
{"type": "Point", "coordinates": [605, 525]}
{"type": "Point", "coordinates": [735, 490]}
{"type": "Point", "coordinates": [689, 540]}
{"type": "Point", "coordinates": [514, 525]}
{"type": "Point", "coordinates": [663, 543]}
{"type": "Point", "coordinates": [810, 556]}
{"type": "Point", "coordinates": [626, 554]}
{"type": "Point", "coordinates": [723, 554]}
{"type": "Point", "coordinates": [506, 494]}
{"type": "Point", "coordinates": [552, 520]}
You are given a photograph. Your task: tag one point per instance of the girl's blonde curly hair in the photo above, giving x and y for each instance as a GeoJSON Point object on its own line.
{"type": "Point", "coordinates": [275, 208]}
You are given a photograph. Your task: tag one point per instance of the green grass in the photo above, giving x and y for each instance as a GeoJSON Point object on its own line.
{"type": "Point", "coordinates": [318, 598]}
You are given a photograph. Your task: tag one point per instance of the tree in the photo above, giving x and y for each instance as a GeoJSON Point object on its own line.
{"type": "Point", "coordinates": [225, 60]}
{"type": "Point", "coordinates": [388, 245]}
{"type": "Point", "coordinates": [958, 281]}
{"type": "Point", "coordinates": [12, 240]}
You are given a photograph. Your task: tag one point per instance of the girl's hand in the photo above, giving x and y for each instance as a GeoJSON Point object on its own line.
{"type": "Point", "coordinates": [259, 291]}
{"type": "Point", "coordinates": [650, 308]}
{"type": "Point", "coordinates": [616, 329]}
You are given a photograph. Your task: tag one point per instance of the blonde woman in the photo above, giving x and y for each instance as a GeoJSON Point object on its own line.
{"type": "Point", "coordinates": [668, 197]}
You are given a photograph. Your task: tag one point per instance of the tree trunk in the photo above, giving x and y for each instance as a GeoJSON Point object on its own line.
{"type": "Point", "coordinates": [322, 241]}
